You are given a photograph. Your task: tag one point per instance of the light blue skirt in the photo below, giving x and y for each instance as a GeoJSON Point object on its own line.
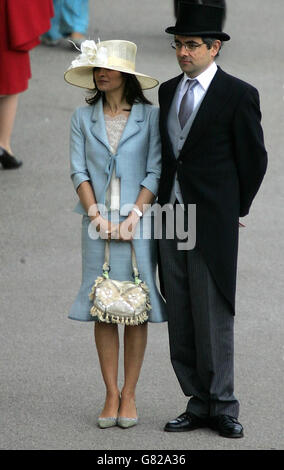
{"type": "Point", "coordinates": [93, 251]}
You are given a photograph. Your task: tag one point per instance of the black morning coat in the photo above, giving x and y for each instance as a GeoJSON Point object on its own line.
{"type": "Point", "coordinates": [220, 169]}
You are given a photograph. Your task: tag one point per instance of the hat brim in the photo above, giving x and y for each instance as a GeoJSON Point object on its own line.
{"type": "Point", "coordinates": [82, 77]}
{"type": "Point", "coordinates": [213, 34]}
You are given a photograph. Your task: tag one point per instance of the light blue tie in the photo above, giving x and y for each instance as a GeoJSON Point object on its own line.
{"type": "Point", "coordinates": [187, 103]}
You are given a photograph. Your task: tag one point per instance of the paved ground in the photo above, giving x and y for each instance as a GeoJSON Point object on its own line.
{"type": "Point", "coordinates": [51, 388]}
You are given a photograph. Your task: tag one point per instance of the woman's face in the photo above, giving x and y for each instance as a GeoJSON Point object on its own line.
{"type": "Point", "coordinates": [108, 80]}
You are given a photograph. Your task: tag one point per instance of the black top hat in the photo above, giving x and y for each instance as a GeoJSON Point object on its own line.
{"type": "Point", "coordinates": [199, 20]}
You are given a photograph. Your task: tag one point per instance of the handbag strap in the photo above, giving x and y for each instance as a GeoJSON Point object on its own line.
{"type": "Point", "coordinates": [106, 265]}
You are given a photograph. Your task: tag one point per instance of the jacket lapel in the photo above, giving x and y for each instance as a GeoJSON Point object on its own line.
{"type": "Point", "coordinates": [132, 126]}
{"type": "Point", "coordinates": [99, 128]}
{"type": "Point", "coordinates": [165, 104]}
{"type": "Point", "coordinates": [168, 97]}
{"type": "Point", "coordinates": [218, 93]}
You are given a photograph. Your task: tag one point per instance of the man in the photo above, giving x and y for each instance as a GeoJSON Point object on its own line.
{"type": "Point", "coordinates": [213, 156]}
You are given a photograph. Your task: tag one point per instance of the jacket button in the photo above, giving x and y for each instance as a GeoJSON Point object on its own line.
{"type": "Point", "coordinates": [180, 162]}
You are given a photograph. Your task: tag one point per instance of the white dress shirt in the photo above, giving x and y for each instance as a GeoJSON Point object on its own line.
{"type": "Point", "coordinates": [204, 80]}
{"type": "Point", "coordinates": [199, 91]}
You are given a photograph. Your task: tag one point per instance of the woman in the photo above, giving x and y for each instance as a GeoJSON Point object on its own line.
{"type": "Point", "coordinates": [21, 24]}
{"type": "Point", "coordinates": [115, 162]}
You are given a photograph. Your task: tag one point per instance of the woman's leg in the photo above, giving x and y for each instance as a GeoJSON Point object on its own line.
{"type": "Point", "coordinates": [75, 15]}
{"type": "Point", "coordinates": [54, 34]}
{"type": "Point", "coordinates": [8, 110]}
{"type": "Point", "coordinates": [107, 343]}
{"type": "Point", "coordinates": [135, 340]}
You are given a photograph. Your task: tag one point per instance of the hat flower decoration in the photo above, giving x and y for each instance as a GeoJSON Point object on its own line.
{"type": "Point", "coordinates": [90, 54]}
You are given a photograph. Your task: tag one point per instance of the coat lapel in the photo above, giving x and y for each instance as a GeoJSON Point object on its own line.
{"type": "Point", "coordinates": [99, 128]}
{"type": "Point", "coordinates": [217, 95]}
{"type": "Point", "coordinates": [165, 104]}
{"type": "Point", "coordinates": [168, 97]}
{"type": "Point", "coordinates": [133, 124]}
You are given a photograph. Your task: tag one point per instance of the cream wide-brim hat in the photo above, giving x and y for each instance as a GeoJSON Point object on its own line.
{"type": "Point", "coordinates": [114, 55]}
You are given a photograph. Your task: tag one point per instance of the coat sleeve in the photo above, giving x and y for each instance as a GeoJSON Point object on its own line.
{"type": "Point", "coordinates": [153, 167]}
{"type": "Point", "coordinates": [78, 166]}
{"type": "Point", "coordinates": [250, 153]}
{"type": "Point", "coordinates": [26, 21]}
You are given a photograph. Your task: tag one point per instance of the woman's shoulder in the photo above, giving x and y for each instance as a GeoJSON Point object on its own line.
{"type": "Point", "coordinates": [83, 111]}
{"type": "Point", "coordinates": [150, 107]}
{"type": "Point", "coordinates": [151, 110]}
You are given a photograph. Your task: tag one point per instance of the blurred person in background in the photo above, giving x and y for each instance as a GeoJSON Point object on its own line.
{"type": "Point", "coordinates": [21, 24]}
{"type": "Point", "coordinates": [70, 21]}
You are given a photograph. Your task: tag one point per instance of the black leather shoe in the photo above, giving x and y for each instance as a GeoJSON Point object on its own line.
{"type": "Point", "coordinates": [8, 161]}
{"type": "Point", "coordinates": [227, 426]}
{"type": "Point", "coordinates": [185, 422]}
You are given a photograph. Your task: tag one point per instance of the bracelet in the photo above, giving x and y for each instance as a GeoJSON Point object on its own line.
{"type": "Point", "coordinates": [138, 212]}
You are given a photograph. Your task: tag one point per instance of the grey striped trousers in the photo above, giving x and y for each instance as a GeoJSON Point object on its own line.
{"type": "Point", "coordinates": [201, 332]}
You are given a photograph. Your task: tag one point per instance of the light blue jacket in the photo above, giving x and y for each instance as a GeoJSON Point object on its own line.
{"type": "Point", "coordinates": [137, 160]}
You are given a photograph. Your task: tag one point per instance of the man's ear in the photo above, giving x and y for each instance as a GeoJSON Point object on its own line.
{"type": "Point", "coordinates": [216, 47]}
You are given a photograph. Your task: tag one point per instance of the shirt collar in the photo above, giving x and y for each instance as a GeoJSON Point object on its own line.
{"type": "Point", "coordinates": [205, 78]}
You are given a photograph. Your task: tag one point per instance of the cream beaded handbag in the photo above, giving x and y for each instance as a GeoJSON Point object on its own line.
{"type": "Point", "coordinates": [121, 302]}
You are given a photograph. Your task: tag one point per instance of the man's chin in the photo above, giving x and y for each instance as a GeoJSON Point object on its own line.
{"type": "Point", "coordinates": [188, 70]}
{"type": "Point", "coordinates": [186, 67]}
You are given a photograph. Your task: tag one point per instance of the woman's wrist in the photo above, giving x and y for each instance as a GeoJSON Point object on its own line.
{"type": "Point", "coordinates": [95, 216]}
{"type": "Point", "coordinates": [134, 216]}
{"type": "Point", "coordinates": [137, 211]}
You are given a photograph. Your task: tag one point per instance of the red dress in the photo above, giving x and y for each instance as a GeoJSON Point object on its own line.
{"type": "Point", "coordinates": [21, 24]}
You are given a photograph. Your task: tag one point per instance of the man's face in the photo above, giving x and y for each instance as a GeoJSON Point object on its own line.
{"type": "Point", "coordinates": [196, 57]}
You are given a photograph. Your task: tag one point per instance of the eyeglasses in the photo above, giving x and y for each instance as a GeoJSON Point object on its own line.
{"type": "Point", "coordinates": [189, 46]}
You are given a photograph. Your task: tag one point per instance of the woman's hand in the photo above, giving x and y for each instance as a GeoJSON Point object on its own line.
{"type": "Point", "coordinates": [106, 229]}
{"type": "Point", "coordinates": [127, 228]}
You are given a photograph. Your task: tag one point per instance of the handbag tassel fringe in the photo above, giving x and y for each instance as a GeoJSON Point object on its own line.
{"type": "Point", "coordinates": [107, 318]}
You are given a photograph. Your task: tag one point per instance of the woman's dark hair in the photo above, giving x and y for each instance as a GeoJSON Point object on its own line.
{"type": "Point", "coordinates": [133, 92]}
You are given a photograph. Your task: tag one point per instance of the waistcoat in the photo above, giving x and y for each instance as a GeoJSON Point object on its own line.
{"type": "Point", "coordinates": [178, 137]}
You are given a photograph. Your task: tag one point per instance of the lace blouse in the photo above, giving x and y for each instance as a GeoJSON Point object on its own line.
{"type": "Point", "coordinates": [114, 127]}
